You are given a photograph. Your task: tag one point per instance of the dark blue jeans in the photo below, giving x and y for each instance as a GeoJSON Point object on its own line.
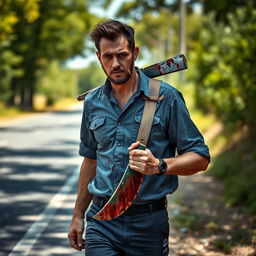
{"type": "Point", "coordinates": [138, 235]}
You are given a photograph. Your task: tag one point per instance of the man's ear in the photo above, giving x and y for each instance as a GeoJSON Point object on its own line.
{"type": "Point", "coordinates": [136, 52]}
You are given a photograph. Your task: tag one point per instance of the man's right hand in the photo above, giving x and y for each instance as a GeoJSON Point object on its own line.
{"type": "Point", "coordinates": [75, 234]}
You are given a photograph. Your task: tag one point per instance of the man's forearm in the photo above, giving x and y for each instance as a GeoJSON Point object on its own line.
{"type": "Point", "coordinates": [145, 162]}
{"type": "Point", "coordinates": [87, 173]}
{"type": "Point", "coordinates": [186, 164]}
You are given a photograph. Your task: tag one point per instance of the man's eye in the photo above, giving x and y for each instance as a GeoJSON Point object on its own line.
{"type": "Point", "coordinates": [122, 55]}
{"type": "Point", "coordinates": [107, 56]}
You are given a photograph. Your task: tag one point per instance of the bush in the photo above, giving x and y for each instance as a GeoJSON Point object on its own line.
{"type": "Point", "coordinates": [224, 68]}
{"type": "Point", "coordinates": [56, 83]}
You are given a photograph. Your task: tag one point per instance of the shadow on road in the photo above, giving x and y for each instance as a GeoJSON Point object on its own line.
{"type": "Point", "coordinates": [29, 178]}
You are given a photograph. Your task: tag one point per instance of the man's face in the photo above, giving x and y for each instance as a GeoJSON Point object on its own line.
{"type": "Point", "coordinates": [117, 59]}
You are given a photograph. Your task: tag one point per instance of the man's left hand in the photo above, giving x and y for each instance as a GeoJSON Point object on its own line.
{"type": "Point", "coordinates": [142, 161]}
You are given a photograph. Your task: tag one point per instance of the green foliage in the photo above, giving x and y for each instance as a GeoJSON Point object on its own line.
{"type": "Point", "coordinates": [213, 226]}
{"type": "Point", "coordinates": [225, 79]}
{"type": "Point", "coordinates": [223, 244]}
{"type": "Point", "coordinates": [135, 9]}
{"type": "Point", "coordinates": [63, 26]}
{"type": "Point", "coordinates": [8, 70]}
{"type": "Point", "coordinates": [35, 33]}
{"type": "Point", "coordinates": [56, 83]}
{"type": "Point", "coordinates": [91, 77]}
{"type": "Point", "coordinates": [188, 220]}
{"type": "Point", "coordinates": [155, 32]}
{"type": "Point", "coordinates": [11, 12]}
{"type": "Point", "coordinates": [9, 15]}
{"type": "Point", "coordinates": [221, 8]}
{"type": "Point", "coordinates": [235, 168]}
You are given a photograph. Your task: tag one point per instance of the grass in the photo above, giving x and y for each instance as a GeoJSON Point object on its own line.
{"type": "Point", "coordinates": [188, 221]}
{"type": "Point", "coordinates": [223, 245]}
{"type": "Point", "coordinates": [235, 167]}
{"type": "Point", "coordinates": [7, 113]}
{"type": "Point", "coordinates": [194, 221]}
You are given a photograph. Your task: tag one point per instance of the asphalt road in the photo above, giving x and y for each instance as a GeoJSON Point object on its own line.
{"type": "Point", "coordinates": [39, 167]}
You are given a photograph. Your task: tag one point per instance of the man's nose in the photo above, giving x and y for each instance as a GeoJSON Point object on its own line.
{"type": "Point", "coordinates": [115, 63]}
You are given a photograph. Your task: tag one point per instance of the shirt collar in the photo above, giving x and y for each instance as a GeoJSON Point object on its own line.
{"type": "Point", "coordinates": [142, 86]}
{"type": "Point", "coordinates": [143, 83]}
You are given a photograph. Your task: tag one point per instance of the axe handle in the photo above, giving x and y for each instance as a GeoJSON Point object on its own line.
{"type": "Point", "coordinates": [165, 67]}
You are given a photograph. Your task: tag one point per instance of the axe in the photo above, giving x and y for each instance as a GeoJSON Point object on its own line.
{"type": "Point", "coordinates": [165, 67]}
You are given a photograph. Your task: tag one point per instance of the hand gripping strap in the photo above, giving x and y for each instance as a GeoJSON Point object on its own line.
{"type": "Point", "coordinates": [149, 111]}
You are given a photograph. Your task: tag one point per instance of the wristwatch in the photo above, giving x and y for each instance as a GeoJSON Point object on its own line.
{"type": "Point", "coordinates": [162, 166]}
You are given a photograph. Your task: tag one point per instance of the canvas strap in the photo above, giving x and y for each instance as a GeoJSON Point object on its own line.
{"type": "Point", "coordinates": [149, 111]}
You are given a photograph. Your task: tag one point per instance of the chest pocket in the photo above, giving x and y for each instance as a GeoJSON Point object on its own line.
{"type": "Point", "coordinates": [157, 130]}
{"type": "Point", "coordinates": [97, 127]}
{"type": "Point", "coordinates": [156, 120]}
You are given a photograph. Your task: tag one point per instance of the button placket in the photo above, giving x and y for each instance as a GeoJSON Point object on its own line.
{"type": "Point", "coordinates": [118, 158]}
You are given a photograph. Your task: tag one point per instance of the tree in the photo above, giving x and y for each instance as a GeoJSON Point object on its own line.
{"type": "Point", "coordinates": [57, 34]}
{"type": "Point", "coordinates": [8, 16]}
{"type": "Point", "coordinates": [9, 68]}
{"type": "Point", "coordinates": [225, 77]}
{"type": "Point", "coordinates": [56, 82]}
{"type": "Point", "coordinates": [156, 33]}
{"type": "Point", "coordinates": [221, 8]}
{"type": "Point", "coordinates": [91, 77]}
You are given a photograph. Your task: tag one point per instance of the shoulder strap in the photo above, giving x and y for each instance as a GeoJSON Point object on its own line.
{"type": "Point", "coordinates": [149, 111]}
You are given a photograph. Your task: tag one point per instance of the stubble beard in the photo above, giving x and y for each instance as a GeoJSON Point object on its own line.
{"type": "Point", "coordinates": [121, 80]}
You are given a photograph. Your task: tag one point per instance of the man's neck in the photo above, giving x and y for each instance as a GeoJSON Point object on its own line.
{"type": "Point", "coordinates": [123, 92]}
{"type": "Point", "coordinates": [128, 88]}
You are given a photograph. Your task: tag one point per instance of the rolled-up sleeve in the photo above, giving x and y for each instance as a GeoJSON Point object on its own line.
{"type": "Point", "coordinates": [88, 145]}
{"type": "Point", "coordinates": [182, 130]}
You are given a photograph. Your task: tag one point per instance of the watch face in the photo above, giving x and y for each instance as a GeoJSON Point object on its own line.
{"type": "Point", "coordinates": [163, 166]}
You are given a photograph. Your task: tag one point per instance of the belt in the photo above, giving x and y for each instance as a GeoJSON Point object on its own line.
{"type": "Point", "coordinates": [135, 209]}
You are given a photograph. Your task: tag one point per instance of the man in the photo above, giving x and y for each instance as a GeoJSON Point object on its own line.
{"type": "Point", "coordinates": [110, 124]}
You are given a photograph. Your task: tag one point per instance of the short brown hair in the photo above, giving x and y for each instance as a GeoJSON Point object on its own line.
{"type": "Point", "coordinates": [111, 30]}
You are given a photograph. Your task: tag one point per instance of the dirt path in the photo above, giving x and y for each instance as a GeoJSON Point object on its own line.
{"type": "Point", "coordinates": [201, 224]}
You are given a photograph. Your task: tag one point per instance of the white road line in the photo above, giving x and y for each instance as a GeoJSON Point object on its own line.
{"type": "Point", "coordinates": [28, 240]}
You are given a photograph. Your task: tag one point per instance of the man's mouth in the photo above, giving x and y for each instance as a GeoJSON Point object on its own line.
{"type": "Point", "coordinates": [117, 72]}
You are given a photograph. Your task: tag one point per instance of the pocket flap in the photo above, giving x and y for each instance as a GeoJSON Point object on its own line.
{"type": "Point", "coordinates": [155, 121]}
{"type": "Point", "coordinates": [97, 123]}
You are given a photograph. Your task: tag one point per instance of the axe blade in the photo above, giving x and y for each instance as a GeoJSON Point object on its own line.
{"type": "Point", "coordinates": [124, 194]}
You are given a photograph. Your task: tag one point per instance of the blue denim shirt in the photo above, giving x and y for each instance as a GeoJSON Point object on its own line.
{"type": "Point", "coordinates": [107, 131]}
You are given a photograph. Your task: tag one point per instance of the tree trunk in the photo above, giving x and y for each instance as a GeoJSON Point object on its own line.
{"type": "Point", "coordinates": [28, 91]}
{"type": "Point", "coordinates": [11, 101]}
{"type": "Point", "coordinates": [27, 96]}
{"type": "Point", "coordinates": [28, 86]}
